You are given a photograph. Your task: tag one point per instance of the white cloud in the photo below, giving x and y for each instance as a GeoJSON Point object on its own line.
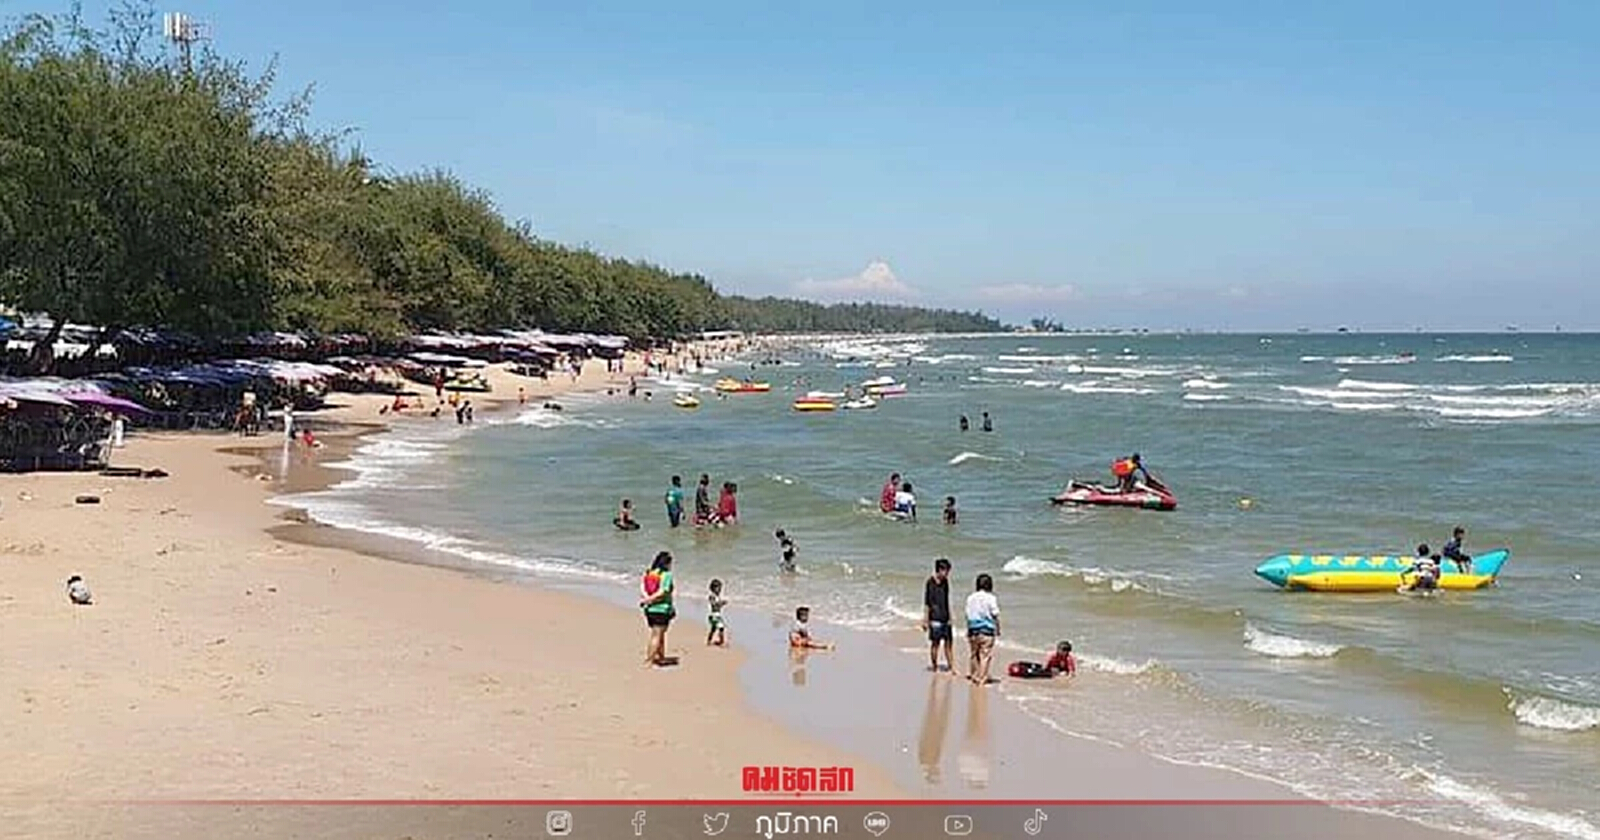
{"type": "Point", "coordinates": [1027, 293]}
{"type": "Point", "coordinates": [875, 282]}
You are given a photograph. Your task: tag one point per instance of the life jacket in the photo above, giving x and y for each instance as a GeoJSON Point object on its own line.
{"type": "Point", "coordinates": [1027, 670]}
{"type": "Point", "coordinates": [1122, 467]}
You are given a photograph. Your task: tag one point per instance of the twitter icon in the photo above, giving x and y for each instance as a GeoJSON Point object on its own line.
{"type": "Point", "coordinates": [715, 824]}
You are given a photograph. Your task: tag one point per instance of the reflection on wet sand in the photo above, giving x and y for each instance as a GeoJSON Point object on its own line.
{"type": "Point", "coordinates": [935, 723]}
{"type": "Point", "coordinates": [975, 746]}
{"type": "Point", "coordinates": [797, 666]}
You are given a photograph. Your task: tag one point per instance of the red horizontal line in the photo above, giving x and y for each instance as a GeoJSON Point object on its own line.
{"type": "Point", "coordinates": [746, 803]}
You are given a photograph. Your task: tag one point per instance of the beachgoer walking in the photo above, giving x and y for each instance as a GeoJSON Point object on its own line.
{"type": "Point", "coordinates": [936, 616]}
{"type": "Point", "coordinates": [983, 626]}
{"type": "Point", "coordinates": [655, 598]}
{"type": "Point", "coordinates": [718, 634]}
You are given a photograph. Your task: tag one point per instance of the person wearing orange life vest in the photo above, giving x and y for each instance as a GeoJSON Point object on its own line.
{"type": "Point", "coordinates": [1128, 471]}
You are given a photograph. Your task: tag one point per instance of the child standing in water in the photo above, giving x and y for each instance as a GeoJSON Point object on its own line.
{"type": "Point", "coordinates": [718, 634]}
{"type": "Point", "coordinates": [786, 551]}
{"type": "Point", "coordinates": [949, 510]}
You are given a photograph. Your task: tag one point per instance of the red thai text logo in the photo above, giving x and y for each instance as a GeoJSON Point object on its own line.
{"type": "Point", "coordinates": [799, 781]}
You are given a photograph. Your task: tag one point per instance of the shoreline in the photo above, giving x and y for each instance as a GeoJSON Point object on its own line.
{"type": "Point", "coordinates": [824, 721]}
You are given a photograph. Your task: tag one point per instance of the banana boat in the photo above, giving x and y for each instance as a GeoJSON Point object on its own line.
{"type": "Point", "coordinates": [1373, 573]}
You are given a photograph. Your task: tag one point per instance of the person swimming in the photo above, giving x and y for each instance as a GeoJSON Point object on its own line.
{"type": "Point", "coordinates": [786, 551]}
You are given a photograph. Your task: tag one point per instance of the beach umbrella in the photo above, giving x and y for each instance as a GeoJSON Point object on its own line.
{"type": "Point", "coordinates": [106, 401]}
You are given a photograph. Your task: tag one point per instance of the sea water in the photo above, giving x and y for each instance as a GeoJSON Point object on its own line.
{"type": "Point", "coordinates": [1484, 706]}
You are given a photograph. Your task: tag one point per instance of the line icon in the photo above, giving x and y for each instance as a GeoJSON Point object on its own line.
{"type": "Point", "coordinates": [638, 823]}
{"type": "Point", "coordinates": [715, 823]}
{"type": "Point", "coordinates": [1035, 824]}
{"type": "Point", "coordinates": [558, 823]}
{"type": "Point", "coordinates": [958, 825]}
{"type": "Point", "coordinates": [876, 822]}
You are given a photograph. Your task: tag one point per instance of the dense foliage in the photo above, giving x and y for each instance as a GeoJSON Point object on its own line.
{"type": "Point", "coordinates": [135, 191]}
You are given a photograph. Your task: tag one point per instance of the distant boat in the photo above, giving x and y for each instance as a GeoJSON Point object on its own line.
{"type": "Point", "coordinates": [1344, 329]}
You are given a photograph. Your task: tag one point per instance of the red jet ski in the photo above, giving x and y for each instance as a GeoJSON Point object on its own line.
{"type": "Point", "coordinates": [1150, 495]}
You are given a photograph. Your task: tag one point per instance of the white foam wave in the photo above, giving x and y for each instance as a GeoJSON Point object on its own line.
{"type": "Point", "coordinates": [1113, 665]}
{"type": "Point", "coordinates": [970, 456]}
{"type": "Point", "coordinates": [1040, 383]}
{"type": "Point", "coordinates": [1480, 799]}
{"type": "Point", "coordinates": [1492, 413]}
{"type": "Point", "coordinates": [1309, 359]}
{"type": "Point", "coordinates": [1480, 359]}
{"type": "Point", "coordinates": [1207, 397]}
{"type": "Point", "coordinates": [1097, 388]}
{"type": "Point", "coordinates": [331, 509]}
{"type": "Point", "coordinates": [1282, 646]}
{"type": "Point", "coordinates": [1371, 385]}
{"type": "Point", "coordinates": [1206, 384]}
{"type": "Point", "coordinates": [1374, 360]}
{"type": "Point", "coordinates": [544, 418]}
{"type": "Point", "coordinates": [1125, 372]}
{"type": "Point", "coordinates": [1036, 359]}
{"type": "Point", "coordinates": [1543, 712]}
{"type": "Point", "coordinates": [1008, 370]}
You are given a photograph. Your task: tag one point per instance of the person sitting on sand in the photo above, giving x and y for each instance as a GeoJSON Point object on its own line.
{"type": "Point", "coordinates": [624, 520]}
{"type": "Point", "coordinates": [1424, 571]}
{"type": "Point", "coordinates": [886, 496]}
{"type": "Point", "coordinates": [1452, 551]}
{"type": "Point", "coordinates": [1062, 662]}
{"type": "Point", "coordinates": [949, 510]}
{"type": "Point", "coordinates": [718, 634]}
{"type": "Point", "coordinates": [800, 633]}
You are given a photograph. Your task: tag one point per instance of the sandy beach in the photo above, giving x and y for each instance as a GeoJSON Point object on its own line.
{"type": "Point", "coordinates": [221, 662]}
{"type": "Point", "coordinates": [236, 653]}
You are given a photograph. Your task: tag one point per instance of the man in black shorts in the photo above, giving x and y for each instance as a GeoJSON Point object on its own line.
{"type": "Point", "coordinates": [936, 615]}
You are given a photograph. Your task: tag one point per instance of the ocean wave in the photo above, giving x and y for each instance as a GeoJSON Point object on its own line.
{"type": "Point", "coordinates": [1207, 397]}
{"type": "Point", "coordinates": [1208, 384]}
{"type": "Point", "coordinates": [1098, 388]}
{"type": "Point", "coordinates": [781, 479]}
{"type": "Point", "coordinates": [1117, 581]}
{"type": "Point", "coordinates": [1485, 802]}
{"type": "Point", "coordinates": [1336, 393]}
{"type": "Point", "coordinates": [1283, 646]}
{"type": "Point", "coordinates": [1008, 370]}
{"type": "Point", "coordinates": [1090, 661]}
{"type": "Point", "coordinates": [1375, 385]}
{"type": "Point", "coordinates": [1490, 413]}
{"type": "Point", "coordinates": [1125, 372]}
{"type": "Point", "coordinates": [335, 510]}
{"type": "Point", "coordinates": [1039, 359]}
{"type": "Point", "coordinates": [1374, 360]}
{"type": "Point", "coordinates": [544, 418]}
{"type": "Point", "coordinates": [1309, 359]}
{"type": "Point", "coordinates": [1040, 383]}
{"type": "Point", "coordinates": [1482, 359]}
{"type": "Point", "coordinates": [1543, 712]}
{"type": "Point", "coordinates": [970, 456]}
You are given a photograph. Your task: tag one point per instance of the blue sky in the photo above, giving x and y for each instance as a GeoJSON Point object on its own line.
{"type": "Point", "coordinates": [1223, 164]}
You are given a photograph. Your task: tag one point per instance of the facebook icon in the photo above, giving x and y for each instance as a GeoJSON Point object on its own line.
{"type": "Point", "coordinates": [638, 823]}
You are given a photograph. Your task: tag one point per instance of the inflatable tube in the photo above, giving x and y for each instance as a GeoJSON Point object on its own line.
{"type": "Point", "coordinates": [1372, 573]}
{"type": "Point", "coordinates": [809, 404]}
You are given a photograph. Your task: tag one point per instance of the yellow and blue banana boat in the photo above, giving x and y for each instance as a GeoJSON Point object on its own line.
{"type": "Point", "coordinates": [1372, 573]}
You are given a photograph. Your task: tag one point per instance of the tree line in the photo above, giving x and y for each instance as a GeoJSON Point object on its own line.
{"type": "Point", "coordinates": [135, 191]}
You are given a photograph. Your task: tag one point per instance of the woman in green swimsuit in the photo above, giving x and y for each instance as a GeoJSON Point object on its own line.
{"type": "Point", "coordinates": [655, 598]}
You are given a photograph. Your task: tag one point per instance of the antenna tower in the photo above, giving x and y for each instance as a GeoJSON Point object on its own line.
{"type": "Point", "coordinates": [184, 31]}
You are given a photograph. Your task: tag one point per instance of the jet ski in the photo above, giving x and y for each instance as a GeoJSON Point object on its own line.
{"type": "Point", "coordinates": [1149, 495]}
